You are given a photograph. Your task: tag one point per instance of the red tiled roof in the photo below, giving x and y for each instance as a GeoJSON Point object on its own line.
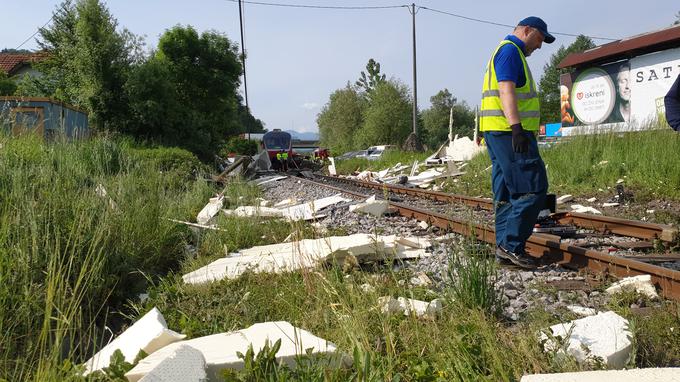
{"type": "Point", "coordinates": [626, 48]}
{"type": "Point", "coordinates": [9, 62]}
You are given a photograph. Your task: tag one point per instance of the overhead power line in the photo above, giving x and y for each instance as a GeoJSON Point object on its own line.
{"type": "Point", "coordinates": [321, 6]}
{"type": "Point", "coordinates": [508, 25]}
{"type": "Point", "coordinates": [35, 33]}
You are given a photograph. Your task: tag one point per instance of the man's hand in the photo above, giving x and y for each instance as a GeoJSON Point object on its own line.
{"type": "Point", "coordinates": [520, 142]}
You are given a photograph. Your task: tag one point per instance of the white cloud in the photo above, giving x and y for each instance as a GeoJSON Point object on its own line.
{"type": "Point", "coordinates": [310, 105]}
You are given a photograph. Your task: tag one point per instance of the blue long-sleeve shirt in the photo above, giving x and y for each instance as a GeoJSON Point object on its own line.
{"type": "Point", "coordinates": [672, 103]}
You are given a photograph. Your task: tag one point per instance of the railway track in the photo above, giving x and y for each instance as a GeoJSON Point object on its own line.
{"type": "Point", "coordinates": [547, 248]}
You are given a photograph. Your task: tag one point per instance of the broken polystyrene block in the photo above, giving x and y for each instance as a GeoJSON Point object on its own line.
{"type": "Point", "coordinates": [610, 204]}
{"type": "Point", "coordinates": [641, 284]}
{"type": "Point", "coordinates": [149, 333]}
{"type": "Point", "coordinates": [564, 199]}
{"type": "Point", "coordinates": [371, 206]}
{"type": "Point", "coordinates": [331, 168]}
{"type": "Point", "coordinates": [286, 203]}
{"type": "Point", "coordinates": [251, 211]}
{"type": "Point", "coordinates": [211, 209]}
{"type": "Point", "coordinates": [171, 363]}
{"type": "Point", "coordinates": [584, 209]}
{"type": "Point", "coordinates": [635, 375]}
{"type": "Point", "coordinates": [581, 310]}
{"type": "Point", "coordinates": [590, 200]}
{"type": "Point", "coordinates": [407, 306]}
{"type": "Point", "coordinates": [220, 350]}
{"type": "Point", "coordinates": [423, 225]}
{"type": "Point", "coordinates": [604, 335]}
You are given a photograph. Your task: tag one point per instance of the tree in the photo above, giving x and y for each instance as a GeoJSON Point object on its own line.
{"type": "Point", "coordinates": [340, 119]}
{"type": "Point", "coordinates": [7, 86]}
{"type": "Point", "coordinates": [387, 119]}
{"type": "Point", "coordinates": [436, 118]}
{"type": "Point", "coordinates": [370, 81]}
{"type": "Point", "coordinates": [549, 86]}
{"type": "Point", "coordinates": [677, 19]}
{"type": "Point", "coordinates": [186, 94]}
{"type": "Point", "coordinates": [88, 62]}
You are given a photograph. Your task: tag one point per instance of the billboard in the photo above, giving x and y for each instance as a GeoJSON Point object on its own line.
{"type": "Point", "coordinates": [619, 96]}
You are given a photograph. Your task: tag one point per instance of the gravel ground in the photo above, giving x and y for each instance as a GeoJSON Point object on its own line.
{"type": "Point", "coordinates": [522, 289]}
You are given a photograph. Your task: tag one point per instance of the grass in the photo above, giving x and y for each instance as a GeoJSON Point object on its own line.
{"type": "Point", "coordinates": [582, 166]}
{"type": "Point", "coordinates": [72, 260]}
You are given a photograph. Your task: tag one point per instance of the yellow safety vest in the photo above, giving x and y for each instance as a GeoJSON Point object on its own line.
{"type": "Point", "coordinates": [491, 116]}
{"type": "Point", "coordinates": [279, 156]}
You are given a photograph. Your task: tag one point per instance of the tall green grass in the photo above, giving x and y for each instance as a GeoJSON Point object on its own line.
{"type": "Point", "coordinates": [69, 258]}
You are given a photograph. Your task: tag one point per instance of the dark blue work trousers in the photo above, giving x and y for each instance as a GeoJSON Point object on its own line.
{"type": "Point", "coordinates": [519, 184]}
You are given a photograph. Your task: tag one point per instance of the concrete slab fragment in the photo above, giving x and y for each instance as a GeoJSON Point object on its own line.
{"type": "Point", "coordinates": [170, 364]}
{"type": "Point", "coordinates": [635, 375]}
{"type": "Point", "coordinates": [149, 333]}
{"type": "Point", "coordinates": [604, 335]}
{"type": "Point", "coordinates": [641, 284]}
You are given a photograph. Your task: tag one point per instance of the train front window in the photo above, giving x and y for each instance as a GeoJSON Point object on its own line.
{"type": "Point", "coordinates": [276, 143]}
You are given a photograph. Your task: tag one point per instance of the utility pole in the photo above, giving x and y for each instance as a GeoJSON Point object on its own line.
{"type": "Point", "coordinates": [415, 79]}
{"type": "Point", "coordinates": [243, 61]}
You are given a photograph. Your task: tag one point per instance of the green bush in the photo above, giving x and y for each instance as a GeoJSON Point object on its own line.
{"type": "Point", "coordinates": [239, 146]}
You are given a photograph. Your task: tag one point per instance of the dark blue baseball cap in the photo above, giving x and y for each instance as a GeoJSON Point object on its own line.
{"type": "Point", "coordinates": [538, 23]}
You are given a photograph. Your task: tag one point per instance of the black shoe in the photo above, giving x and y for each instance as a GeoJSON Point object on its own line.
{"type": "Point", "coordinates": [502, 261]}
{"type": "Point", "coordinates": [521, 260]}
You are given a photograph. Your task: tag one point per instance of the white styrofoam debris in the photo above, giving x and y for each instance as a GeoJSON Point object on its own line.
{"type": "Point", "coordinates": [220, 350]}
{"type": "Point", "coordinates": [584, 209]}
{"type": "Point", "coordinates": [610, 204]}
{"type": "Point", "coordinates": [251, 211]}
{"type": "Point", "coordinates": [331, 167]}
{"type": "Point", "coordinates": [367, 288]}
{"type": "Point", "coordinates": [307, 211]}
{"type": "Point", "coordinates": [371, 206]}
{"type": "Point", "coordinates": [641, 284]}
{"type": "Point", "coordinates": [286, 203]}
{"type": "Point", "coordinates": [463, 149]}
{"type": "Point", "coordinates": [581, 310]}
{"type": "Point", "coordinates": [590, 200]}
{"type": "Point", "coordinates": [421, 279]}
{"type": "Point", "coordinates": [423, 225]}
{"type": "Point", "coordinates": [271, 179]}
{"type": "Point", "coordinates": [149, 333]}
{"type": "Point", "coordinates": [211, 209]}
{"type": "Point", "coordinates": [564, 199]}
{"type": "Point", "coordinates": [169, 364]}
{"type": "Point", "coordinates": [650, 211]}
{"type": "Point", "coordinates": [264, 203]}
{"type": "Point", "coordinates": [619, 181]}
{"type": "Point", "coordinates": [286, 257]}
{"type": "Point", "coordinates": [669, 374]}
{"type": "Point", "coordinates": [604, 335]}
{"type": "Point", "coordinates": [407, 306]}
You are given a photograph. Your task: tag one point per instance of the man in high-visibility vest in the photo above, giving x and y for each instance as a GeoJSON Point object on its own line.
{"type": "Point", "coordinates": [279, 158]}
{"type": "Point", "coordinates": [509, 119]}
{"type": "Point", "coordinates": [284, 157]}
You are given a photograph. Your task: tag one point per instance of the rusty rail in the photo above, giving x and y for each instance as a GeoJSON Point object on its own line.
{"type": "Point", "coordinates": [548, 248]}
{"type": "Point", "coordinates": [604, 224]}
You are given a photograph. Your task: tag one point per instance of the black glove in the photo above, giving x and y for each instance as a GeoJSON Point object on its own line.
{"type": "Point", "coordinates": [520, 142]}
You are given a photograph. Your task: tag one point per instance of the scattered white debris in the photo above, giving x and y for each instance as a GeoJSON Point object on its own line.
{"type": "Point", "coordinates": [564, 199]}
{"type": "Point", "coordinates": [423, 225]}
{"type": "Point", "coordinates": [635, 375]}
{"type": "Point", "coordinates": [584, 209]}
{"type": "Point", "coordinates": [641, 284]}
{"type": "Point", "coordinates": [331, 167]}
{"type": "Point", "coordinates": [269, 179]}
{"type": "Point", "coordinates": [619, 181]}
{"type": "Point", "coordinates": [101, 192]}
{"type": "Point", "coordinates": [604, 335]}
{"type": "Point", "coordinates": [286, 203]}
{"type": "Point", "coordinates": [285, 257]}
{"type": "Point", "coordinates": [169, 364]}
{"type": "Point", "coordinates": [650, 211]}
{"type": "Point", "coordinates": [263, 202]}
{"type": "Point", "coordinates": [462, 149]}
{"type": "Point", "coordinates": [220, 350]}
{"type": "Point", "coordinates": [367, 288]}
{"type": "Point", "coordinates": [407, 306]}
{"type": "Point", "coordinates": [421, 279]}
{"type": "Point", "coordinates": [602, 163]}
{"type": "Point", "coordinates": [591, 200]}
{"type": "Point", "coordinates": [149, 333]}
{"type": "Point", "coordinates": [371, 206]}
{"type": "Point", "coordinates": [210, 210]}
{"type": "Point", "coordinates": [251, 211]}
{"type": "Point", "coordinates": [581, 310]}
{"type": "Point", "coordinates": [610, 205]}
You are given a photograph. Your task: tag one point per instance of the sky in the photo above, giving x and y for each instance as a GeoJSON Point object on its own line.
{"type": "Point", "coordinates": [296, 57]}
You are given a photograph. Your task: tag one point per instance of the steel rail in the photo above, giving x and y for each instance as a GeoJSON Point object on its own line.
{"type": "Point", "coordinates": [604, 224]}
{"type": "Point", "coordinates": [547, 248]}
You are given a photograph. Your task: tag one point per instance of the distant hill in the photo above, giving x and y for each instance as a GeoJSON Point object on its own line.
{"type": "Point", "coordinates": [306, 136]}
